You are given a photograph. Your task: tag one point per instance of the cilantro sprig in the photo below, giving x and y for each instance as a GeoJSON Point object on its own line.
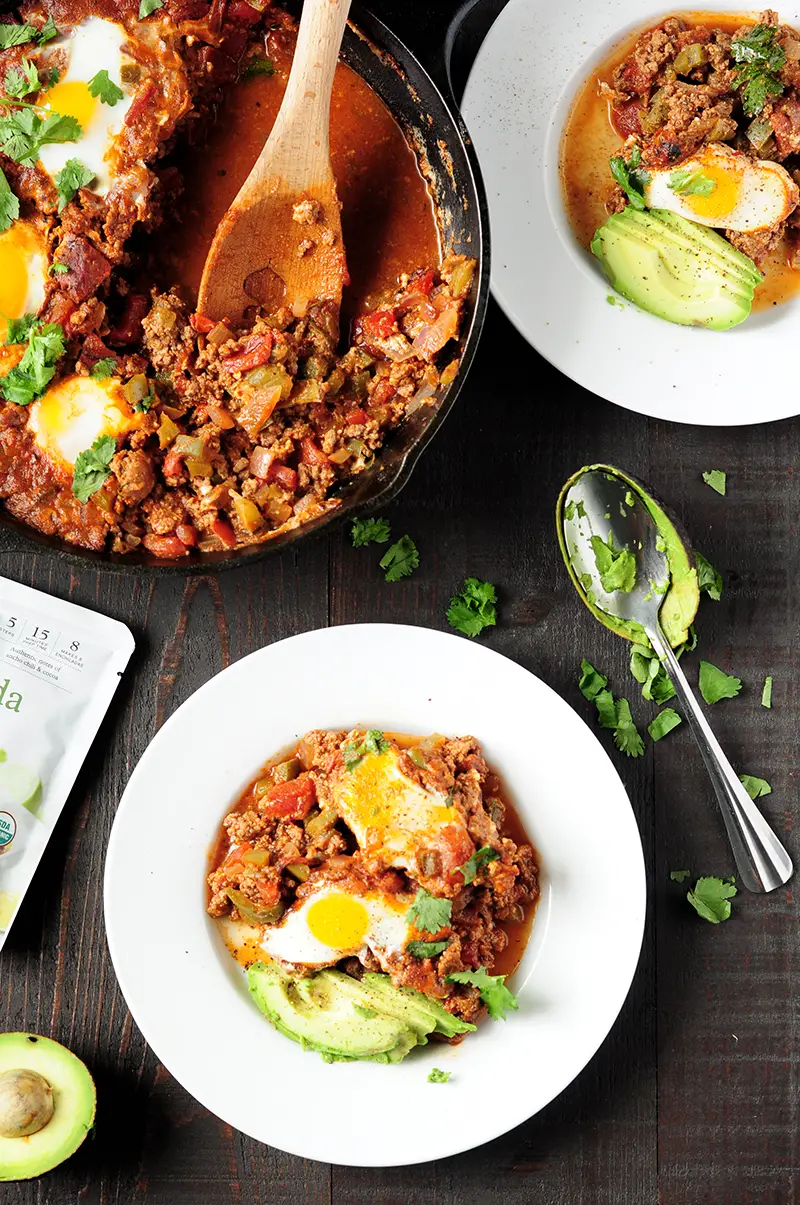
{"type": "Point", "coordinates": [401, 560]}
{"type": "Point", "coordinates": [428, 913]}
{"type": "Point", "coordinates": [759, 57]}
{"type": "Point", "coordinates": [28, 379]}
{"type": "Point", "coordinates": [23, 132]}
{"type": "Point", "coordinates": [631, 176]}
{"type": "Point", "coordinates": [370, 531]}
{"type": "Point", "coordinates": [92, 467]}
{"type": "Point", "coordinates": [22, 81]}
{"type": "Point", "coordinates": [102, 86]}
{"type": "Point", "coordinates": [73, 175]}
{"type": "Point", "coordinates": [9, 203]}
{"type": "Point", "coordinates": [494, 993]}
{"type": "Point", "coordinates": [473, 608]}
{"type": "Point", "coordinates": [19, 35]}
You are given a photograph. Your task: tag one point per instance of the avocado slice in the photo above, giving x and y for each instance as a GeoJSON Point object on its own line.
{"type": "Point", "coordinates": [415, 1006]}
{"type": "Point", "coordinates": [317, 1013]}
{"type": "Point", "coordinates": [683, 596]}
{"type": "Point", "coordinates": [47, 1105]}
{"type": "Point", "coordinates": [675, 269]}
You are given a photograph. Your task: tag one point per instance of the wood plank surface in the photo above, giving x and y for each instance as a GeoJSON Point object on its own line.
{"type": "Point", "coordinates": [693, 1098]}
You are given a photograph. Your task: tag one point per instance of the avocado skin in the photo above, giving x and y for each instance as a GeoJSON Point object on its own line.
{"type": "Point", "coordinates": [75, 1102]}
{"type": "Point", "coordinates": [320, 1012]}
{"type": "Point", "coordinates": [681, 601]}
{"type": "Point", "coordinates": [676, 269]}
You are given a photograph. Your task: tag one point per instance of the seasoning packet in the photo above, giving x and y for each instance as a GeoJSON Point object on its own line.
{"type": "Point", "coordinates": [59, 667]}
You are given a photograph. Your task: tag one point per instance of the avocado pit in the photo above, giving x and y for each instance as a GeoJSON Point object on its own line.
{"type": "Point", "coordinates": [26, 1103]}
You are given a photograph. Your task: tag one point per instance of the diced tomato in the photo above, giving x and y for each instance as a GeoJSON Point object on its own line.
{"type": "Point", "coordinates": [283, 476]}
{"type": "Point", "coordinates": [269, 891]}
{"type": "Point", "coordinates": [256, 351]}
{"type": "Point", "coordinates": [293, 800]}
{"type": "Point", "coordinates": [128, 328]}
{"type": "Point", "coordinates": [224, 531]}
{"type": "Point", "coordinates": [186, 534]}
{"type": "Point", "coordinates": [310, 453]}
{"type": "Point", "coordinates": [382, 393]}
{"type": "Point", "coordinates": [173, 465]}
{"type": "Point", "coordinates": [356, 417]}
{"type": "Point", "coordinates": [380, 324]}
{"type": "Point", "coordinates": [422, 282]}
{"type": "Point", "coordinates": [166, 546]}
{"type": "Point", "coordinates": [202, 324]}
{"type": "Point", "coordinates": [236, 854]}
{"type": "Point", "coordinates": [626, 119]}
{"type": "Point", "coordinates": [141, 105]}
{"type": "Point", "coordinates": [456, 847]}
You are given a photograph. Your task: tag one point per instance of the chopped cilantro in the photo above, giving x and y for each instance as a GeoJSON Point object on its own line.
{"type": "Point", "coordinates": [23, 133]}
{"type": "Point", "coordinates": [47, 32]}
{"type": "Point", "coordinates": [473, 609]}
{"type": "Point", "coordinates": [73, 175]}
{"type": "Point", "coordinates": [144, 403]}
{"type": "Point", "coordinates": [374, 742]}
{"type": "Point", "coordinates": [617, 567]}
{"type": "Point", "coordinates": [711, 899]}
{"type": "Point", "coordinates": [631, 177]}
{"type": "Point", "coordinates": [149, 6]}
{"type": "Point", "coordinates": [9, 204]}
{"type": "Point", "coordinates": [57, 269]}
{"type": "Point", "coordinates": [688, 181]}
{"type": "Point", "coordinates": [259, 66]}
{"type": "Point", "coordinates": [370, 531]}
{"type": "Point", "coordinates": [401, 560]}
{"type": "Point", "coordinates": [428, 913]}
{"type": "Point", "coordinates": [646, 668]}
{"type": "Point", "coordinates": [22, 81]}
{"type": "Point", "coordinates": [678, 876]}
{"type": "Point", "coordinates": [766, 694]}
{"type": "Point", "coordinates": [494, 993]}
{"type": "Point", "coordinates": [755, 787]}
{"type": "Point", "coordinates": [36, 369]}
{"type": "Point", "coordinates": [591, 681]}
{"type": "Point", "coordinates": [626, 735]}
{"type": "Point", "coordinates": [606, 709]}
{"type": "Point", "coordinates": [20, 328]}
{"type": "Point", "coordinates": [436, 1076]}
{"type": "Point", "coordinates": [664, 722]}
{"type": "Point", "coordinates": [717, 479]}
{"type": "Point", "coordinates": [16, 35]}
{"type": "Point", "coordinates": [478, 862]}
{"type": "Point", "coordinates": [104, 368]}
{"type": "Point", "coordinates": [708, 578]}
{"type": "Point", "coordinates": [715, 684]}
{"type": "Point", "coordinates": [103, 86]}
{"type": "Point", "coordinates": [427, 949]}
{"type": "Point", "coordinates": [92, 467]}
{"type": "Point", "coordinates": [759, 58]}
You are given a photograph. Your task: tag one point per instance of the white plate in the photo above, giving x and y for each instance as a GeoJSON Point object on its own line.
{"type": "Point", "coordinates": [524, 80]}
{"type": "Point", "coordinates": [189, 997]}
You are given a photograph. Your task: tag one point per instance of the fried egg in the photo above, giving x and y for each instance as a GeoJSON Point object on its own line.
{"type": "Point", "coordinates": [23, 272]}
{"type": "Point", "coordinates": [71, 415]}
{"type": "Point", "coordinates": [94, 45]}
{"type": "Point", "coordinates": [723, 188]}
{"type": "Point", "coordinates": [398, 821]}
{"type": "Point", "coordinates": [338, 921]}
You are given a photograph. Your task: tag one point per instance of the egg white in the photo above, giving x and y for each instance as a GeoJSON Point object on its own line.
{"type": "Point", "coordinates": [72, 414]}
{"type": "Point", "coordinates": [94, 45]}
{"type": "Point", "coordinates": [386, 930]}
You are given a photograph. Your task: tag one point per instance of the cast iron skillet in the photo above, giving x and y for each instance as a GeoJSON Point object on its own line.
{"type": "Point", "coordinates": [444, 148]}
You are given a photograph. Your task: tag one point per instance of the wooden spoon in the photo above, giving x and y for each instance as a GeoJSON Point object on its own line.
{"type": "Point", "coordinates": [280, 243]}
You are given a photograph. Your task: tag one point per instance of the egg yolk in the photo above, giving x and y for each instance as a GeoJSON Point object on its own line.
{"type": "Point", "coordinates": [73, 99]}
{"type": "Point", "coordinates": [338, 921]}
{"type": "Point", "coordinates": [723, 197]}
{"type": "Point", "coordinates": [381, 798]}
{"type": "Point", "coordinates": [13, 283]}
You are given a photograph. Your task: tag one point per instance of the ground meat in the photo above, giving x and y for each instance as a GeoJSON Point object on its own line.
{"type": "Point", "coordinates": [135, 475]}
{"type": "Point", "coordinates": [757, 244]}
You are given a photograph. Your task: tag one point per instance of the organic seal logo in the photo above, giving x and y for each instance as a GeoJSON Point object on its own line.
{"type": "Point", "coordinates": [8, 829]}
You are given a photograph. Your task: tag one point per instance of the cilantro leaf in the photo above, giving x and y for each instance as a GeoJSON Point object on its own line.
{"type": "Point", "coordinates": [104, 368]}
{"type": "Point", "coordinates": [47, 32]}
{"type": "Point", "coordinates": [20, 328]}
{"type": "Point", "coordinates": [591, 681]}
{"type": "Point", "coordinates": [708, 578]}
{"type": "Point", "coordinates": [759, 58]}
{"type": "Point", "coordinates": [22, 81]}
{"type": "Point", "coordinates": [646, 668]}
{"type": "Point", "coordinates": [92, 467]}
{"type": "Point", "coordinates": [606, 709]}
{"type": "Point", "coordinates": [478, 862]}
{"type": "Point", "coordinates": [149, 6]}
{"type": "Point", "coordinates": [401, 560]}
{"type": "Point", "coordinates": [678, 876]}
{"type": "Point", "coordinates": [664, 722]}
{"type": "Point", "coordinates": [374, 742]}
{"type": "Point", "coordinates": [103, 86]}
{"type": "Point", "coordinates": [57, 269]}
{"type": "Point", "coordinates": [9, 204]}
{"type": "Point", "coordinates": [715, 684]}
{"type": "Point", "coordinates": [23, 133]}
{"type": "Point", "coordinates": [370, 531]}
{"type": "Point", "coordinates": [26, 381]}
{"type": "Point", "coordinates": [473, 609]}
{"type": "Point", "coordinates": [438, 1077]}
{"type": "Point", "coordinates": [766, 694]}
{"type": "Point", "coordinates": [688, 181]}
{"type": "Point", "coordinates": [16, 35]}
{"type": "Point", "coordinates": [626, 735]}
{"type": "Point", "coordinates": [711, 899]}
{"type": "Point", "coordinates": [428, 913]}
{"type": "Point", "coordinates": [427, 949]}
{"type": "Point", "coordinates": [617, 567]}
{"type": "Point", "coordinates": [717, 479]}
{"type": "Point", "coordinates": [259, 66]}
{"type": "Point", "coordinates": [494, 993]}
{"type": "Point", "coordinates": [755, 787]}
{"type": "Point", "coordinates": [144, 403]}
{"type": "Point", "coordinates": [631, 178]}
{"type": "Point", "coordinates": [73, 175]}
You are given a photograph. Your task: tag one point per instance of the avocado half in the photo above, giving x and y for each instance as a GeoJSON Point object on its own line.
{"type": "Point", "coordinates": [47, 1105]}
{"type": "Point", "coordinates": [683, 596]}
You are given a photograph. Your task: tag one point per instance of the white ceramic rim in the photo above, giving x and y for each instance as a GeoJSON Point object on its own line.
{"type": "Point", "coordinates": [519, 93]}
{"type": "Point", "coordinates": [189, 998]}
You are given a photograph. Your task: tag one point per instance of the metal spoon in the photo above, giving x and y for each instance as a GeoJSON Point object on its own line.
{"type": "Point", "coordinates": [605, 504]}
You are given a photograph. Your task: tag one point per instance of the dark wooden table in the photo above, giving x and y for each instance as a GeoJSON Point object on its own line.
{"type": "Point", "coordinates": [694, 1097]}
